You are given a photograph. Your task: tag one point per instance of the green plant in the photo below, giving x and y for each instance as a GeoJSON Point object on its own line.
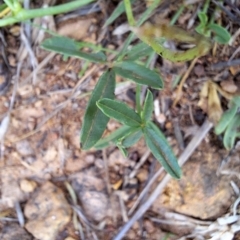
{"type": "Point", "coordinates": [19, 14]}
{"type": "Point", "coordinates": [206, 26]}
{"type": "Point", "coordinates": [102, 106]}
{"type": "Point", "coordinates": [229, 124]}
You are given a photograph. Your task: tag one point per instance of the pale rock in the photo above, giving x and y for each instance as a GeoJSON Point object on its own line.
{"type": "Point", "coordinates": [95, 204]}
{"type": "Point", "coordinates": [142, 175]}
{"type": "Point", "coordinates": [149, 226]}
{"type": "Point", "coordinates": [116, 158]}
{"type": "Point", "coordinates": [47, 212]}
{"type": "Point", "coordinates": [24, 148]}
{"type": "Point", "coordinates": [27, 185]}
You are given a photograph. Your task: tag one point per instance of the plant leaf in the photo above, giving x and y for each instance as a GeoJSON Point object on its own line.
{"type": "Point", "coordinates": [139, 50]}
{"type": "Point", "coordinates": [203, 18]}
{"type": "Point", "coordinates": [161, 150]}
{"type": "Point", "coordinates": [236, 100]}
{"type": "Point", "coordinates": [226, 119]}
{"type": "Point", "coordinates": [202, 27]}
{"type": "Point", "coordinates": [2, 7]}
{"type": "Point", "coordinates": [67, 46]}
{"type": "Point", "coordinates": [112, 137]}
{"type": "Point", "coordinates": [138, 74]}
{"type": "Point", "coordinates": [231, 132]}
{"type": "Point", "coordinates": [123, 150]}
{"type": "Point", "coordinates": [222, 35]}
{"type": "Point", "coordinates": [119, 111]}
{"type": "Point", "coordinates": [131, 138]}
{"type": "Point", "coordinates": [95, 122]}
{"type": "Point", "coordinates": [120, 9]}
{"type": "Point", "coordinates": [146, 114]}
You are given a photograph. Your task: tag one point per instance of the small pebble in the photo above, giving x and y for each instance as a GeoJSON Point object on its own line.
{"type": "Point", "coordinates": [27, 185]}
{"type": "Point", "coordinates": [142, 175]}
{"type": "Point", "coordinates": [69, 238]}
{"type": "Point", "coordinates": [229, 86]}
{"type": "Point", "coordinates": [149, 226]}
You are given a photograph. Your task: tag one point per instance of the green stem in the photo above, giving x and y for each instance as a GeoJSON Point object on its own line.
{"type": "Point", "coordinates": [177, 15]}
{"type": "Point", "coordinates": [150, 58]}
{"type": "Point", "coordinates": [206, 6]}
{"type": "Point", "coordinates": [138, 98]}
{"type": "Point", "coordinates": [129, 13]}
{"type": "Point", "coordinates": [10, 5]}
{"type": "Point", "coordinates": [23, 14]}
{"type": "Point", "coordinates": [148, 12]}
{"type": "Point", "coordinates": [143, 18]}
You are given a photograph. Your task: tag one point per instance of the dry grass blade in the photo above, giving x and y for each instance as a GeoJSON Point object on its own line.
{"type": "Point", "coordinates": [76, 223]}
{"type": "Point", "coordinates": [42, 64]}
{"type": "Point", "coordinates": [7, 219]}
{"type": "Point", "coordinates": [30, 51]}
{"type": "Point", "coordinates": [183, 80]}
{"type": "Point", "coordinates": [226, 64]}
{"type": "Point", "coordinates": [139, 164]}
{"type": "Point", "coordinates": [200, 135]}
{"type": "Point", "coordinates": [123, 208]}
{"type": "Point", "coordinates": [106, 171]}
{"type": "Point", "coordinates": [145, 190]}
{"type": "Point", "coordinates": [19, 214]}
{"type": "Point", "coordinates": [78, 210]}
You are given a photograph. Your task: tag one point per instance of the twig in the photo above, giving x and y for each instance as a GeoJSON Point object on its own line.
{"type": "Point", "coordinates": [73, 196]}
{"type": "Point", "coordinates": [145, 190]}
{"type": "Point", "coordinates": [5, 122]}
{"type": "Point", "coordinates": [19, 214]}
{"type": "Point", "coordinates": [234, 37]}
{"type": "Point", "coordinates": [30, 51]}
{"type": "Point", "coordinates": [7, 219]}
{"type": "Point", "coordinates": [123, 208]}
{"type": "Point", "coordinates": [200, 135]}
{"type": "Point", "coordinates": [235, 205]}
{"type": "Point", "coordinates": [44, 62]}
{"type": "Point", "coordinates": [78, 210]}
{"type": "Point", "coordinates": [183, 80]}
{"type": "Point", "coordinates": [178, 133]}
{"type": "Point", "coordinates": [139, 164]}
{"type": "Point", "coordinates": [230, 15]}
{"type": "Point", "coordinates": [235, 52]}
{"type": "Point", "coordinates": [225, 64]}
{"type": "Point", "coordinates": [106, 171]}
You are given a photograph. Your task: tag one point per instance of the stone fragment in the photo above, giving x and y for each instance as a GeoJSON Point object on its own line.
{"type": "Point", "coordinates": [142, 175]}
{"type": "Point", "coordinates": [201, 193]}
{"type": "Point", "coordinates": [24, 148]}
{"type": "Point", "coordinates": [47, 212]}
{"type": "Point", "coordinates": [91, 192]}
{"type": "Point", "coordinates": [27, 185]}
{"type": "Point", "coordinates": [95, 204]}
{"type": "Point", "coordinates": [149, 226]}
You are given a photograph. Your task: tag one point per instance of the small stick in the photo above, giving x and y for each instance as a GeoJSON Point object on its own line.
{"type": "Point", "coordinates": [225, 64]}
{"type": "Point", "coordinates": [139, 164]}
{"type": "Point", "coordinates": [106, 171]}
{"type": "Point", "coordinates": [183, 80]}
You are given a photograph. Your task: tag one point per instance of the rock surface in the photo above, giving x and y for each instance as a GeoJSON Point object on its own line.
{"type": "Point", "coordinates": [47, 212]}
{"type": "Point", "coordinates": [201, 193]}
{"type": "Point", "coordinates": [92, 195]}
